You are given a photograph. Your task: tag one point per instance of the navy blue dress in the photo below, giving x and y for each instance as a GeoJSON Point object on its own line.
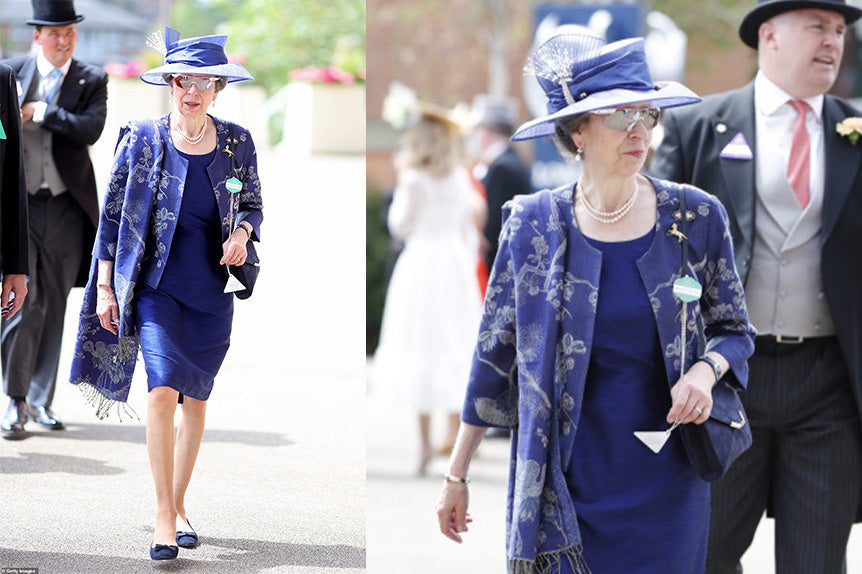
{"type": "Point", "coordinates": [638, 512]}
{"type": "Point", "coordinates": [185, 321]}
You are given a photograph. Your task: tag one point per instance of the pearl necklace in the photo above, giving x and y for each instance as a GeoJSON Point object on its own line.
{"type": "Point", "coordinates": [609, 216]}
{"type": "Point", "coordinates": [195, 140]}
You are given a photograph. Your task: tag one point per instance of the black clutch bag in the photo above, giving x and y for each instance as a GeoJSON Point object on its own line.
{"type": "Point", "coordinates": [247, 272]}
{"type": "Point", "coordinates": [714, 445]}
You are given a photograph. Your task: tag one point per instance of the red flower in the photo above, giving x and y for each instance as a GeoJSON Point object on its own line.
{"type": "Point", "coordinates": [325, 75]}
{"type": "Point", "coordinates": [130, 70]}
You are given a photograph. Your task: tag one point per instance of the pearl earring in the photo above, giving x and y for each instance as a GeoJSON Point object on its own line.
{"type": "Point", "coordinates": [579, 154]}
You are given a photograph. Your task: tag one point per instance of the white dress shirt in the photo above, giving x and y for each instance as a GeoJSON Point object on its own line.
{"type": "Point", "coordinates": [44, 68]}
{"type": "Point", "coordinates": [775, 118]}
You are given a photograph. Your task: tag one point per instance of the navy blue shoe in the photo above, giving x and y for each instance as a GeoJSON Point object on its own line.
{"type": "Point", "coordinates": [188, 539]}
{"type": "Point", "coordinates": [163, 552]}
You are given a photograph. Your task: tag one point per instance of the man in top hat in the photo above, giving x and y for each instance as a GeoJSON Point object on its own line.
{"type": "Point", "coordinates": [792, 185]}
{"type": "Point", "coordinates": [500, 169]}
{"type": "Point", "coordinates": [63, 108]}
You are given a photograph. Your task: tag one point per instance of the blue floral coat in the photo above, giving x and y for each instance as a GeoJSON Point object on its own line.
{"type": "Point", "coordinates": [137, 224]}
{"type": "Point", "coordinates": [533, 349]}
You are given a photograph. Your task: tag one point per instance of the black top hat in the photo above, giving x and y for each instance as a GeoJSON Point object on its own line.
{"type": "Point", "coordinates": [54, 13]}
{"type": "Point", "coordinates": [766, 9]}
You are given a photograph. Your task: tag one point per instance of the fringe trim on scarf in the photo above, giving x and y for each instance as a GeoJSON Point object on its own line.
{"type": "Point", "coordinates": [551, 562]}
{"type": "Point", "coordinates": [104, 405]}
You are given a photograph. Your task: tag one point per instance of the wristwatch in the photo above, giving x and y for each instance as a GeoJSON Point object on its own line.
{"type": "Point", "coordinates": [715, 366]}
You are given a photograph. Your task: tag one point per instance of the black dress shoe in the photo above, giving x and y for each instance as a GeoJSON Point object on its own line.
{"type": "Point", "coordinates": [13, 423]}
{"type": "Point", "coordinates": [163, 552]}
{"type": "Point", "coordinates": [46, 418]}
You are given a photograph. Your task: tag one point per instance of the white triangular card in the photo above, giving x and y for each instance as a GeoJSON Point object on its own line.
{"type": "Point", "coordinates": [233, 284]}
{"type": "Point", "coordinates": [653, 439]}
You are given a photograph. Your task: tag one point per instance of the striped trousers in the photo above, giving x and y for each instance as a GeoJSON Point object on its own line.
{"type": "Point", "coordinates": [804, 466]}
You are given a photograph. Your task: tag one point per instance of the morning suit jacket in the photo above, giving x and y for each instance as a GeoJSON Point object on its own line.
{"type": "Point", "coordinates": [14, 242]}
{"type": "Point", "coordinates": [507, 176]}
{"type": "Point", "coordinates": [690, 153]}
{"type": "Point", "coordinates": [76, 121]}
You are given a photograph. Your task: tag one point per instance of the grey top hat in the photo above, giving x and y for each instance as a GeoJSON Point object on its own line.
{"type": "Point", "coordinates": [766, 9]}
{"type": "Point", "coordinates": [496, 113]}
{"type": "Point", "coordinates": [54, 13]}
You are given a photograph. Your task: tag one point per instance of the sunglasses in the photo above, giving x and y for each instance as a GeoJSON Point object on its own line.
{"type": "Point", "coordinates": [626, 118]}
{"type": "Point", "coordinates": [186, 82]}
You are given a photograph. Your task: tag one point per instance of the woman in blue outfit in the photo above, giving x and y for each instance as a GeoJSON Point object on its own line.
{"type": "Point", "coordinates": [580, 343]}
{"type": "Point", "coordinates": [172, 223]}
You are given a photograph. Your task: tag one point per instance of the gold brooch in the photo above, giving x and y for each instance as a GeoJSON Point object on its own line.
{"type": "Point", "coordinates": [674, 231]}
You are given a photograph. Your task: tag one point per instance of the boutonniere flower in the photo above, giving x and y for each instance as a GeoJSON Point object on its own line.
{"type": "Point", "coordinates": [851, 128]}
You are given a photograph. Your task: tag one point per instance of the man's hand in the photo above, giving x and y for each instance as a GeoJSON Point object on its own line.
{"type": "Point", "coordinates": [27, 112]}
{"type": "Point", "coordinates": [13, 294]}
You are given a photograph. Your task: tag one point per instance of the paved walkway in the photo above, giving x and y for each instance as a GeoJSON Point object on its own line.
{"type": "Point", "coordinates": [402, 524]}
{"type": "Point", "coordinates": [280, 481]}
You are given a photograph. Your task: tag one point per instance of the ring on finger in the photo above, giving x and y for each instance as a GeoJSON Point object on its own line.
{"type": "Point", "coordinates": [699, 410]}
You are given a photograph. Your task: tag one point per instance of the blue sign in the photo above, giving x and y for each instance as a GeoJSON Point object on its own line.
{"type": "Point", "coordinates": [609, 21]}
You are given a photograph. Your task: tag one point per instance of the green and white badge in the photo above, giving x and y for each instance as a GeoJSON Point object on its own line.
{"type": "Point", "coordinates": [233, 185]}
{"type": "Point", "coordinates": [687, 289]}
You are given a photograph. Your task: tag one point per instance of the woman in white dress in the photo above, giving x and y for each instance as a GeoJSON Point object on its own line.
{"type": "Point", "coordinates": [433, 302]}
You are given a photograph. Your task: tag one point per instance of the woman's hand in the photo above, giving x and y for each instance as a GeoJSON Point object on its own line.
{"type": "Point", "coordinates": [452, 510]}
{"type": "Point", "coordinates": [106, 303]}
{"type": "Point", "coordinates": [452, 504]}
{"type": "Point", "coordinates": [691, 396]}
{"type": "Point", "coordinates": [234, 248]}
{"type": "Point", "coordinates": [107, 308]}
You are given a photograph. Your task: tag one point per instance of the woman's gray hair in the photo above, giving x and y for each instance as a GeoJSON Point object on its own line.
{"type": "Point", "coordinates": [220, 84]}
{"type": "Point", "coordinates": [563, 129]}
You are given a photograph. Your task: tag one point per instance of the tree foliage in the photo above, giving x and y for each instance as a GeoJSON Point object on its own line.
{"type": "Point", "coordinates": [714, 20]}
{"type": "Point", "coordinates": [197, 18]}
{"type": "Point", "coordinates": [377, 258]}
{"type": "Point", "coordinates": [276, 36]}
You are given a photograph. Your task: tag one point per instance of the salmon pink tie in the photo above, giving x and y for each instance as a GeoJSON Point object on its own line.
{"type": "Point", "coordinates": [799, 166]}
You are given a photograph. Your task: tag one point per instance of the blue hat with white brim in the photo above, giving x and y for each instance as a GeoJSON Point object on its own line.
{"type": "Point", "coordinates": [581, 73]}
{"type": "Point", "coordinates": [202, 56]}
